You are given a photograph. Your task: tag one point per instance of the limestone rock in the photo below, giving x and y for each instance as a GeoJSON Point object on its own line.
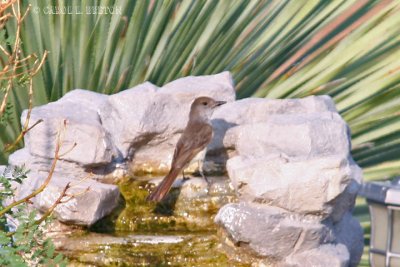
{"type": "Point", "coordinates": [255, 110]}
{"type": "Point", "coordinates": [326, 255]}
{"type": "Point", "coordinates": [270, 231]}
{"type": "Point", "coordinates": [349, 233]}
{"type": "Point", "coordinates": [122, 116]}
{"type": "Point", "coordinates": [346, 200]}
{"type": "Point", "coordinates": [111, 171]}
{"type": "Point", "coordinates": [288, 161]}
{"type": "Point", "coordinates": [168, 115]}
{"type": "Point", "coordinates": [194, 188]}
{"type": "Point", "coordinates": [22, 157]}
{"type": "Point", "coordinates": [312, 186]}
{"type": "Point", "coordinates": [146, 121]}
{"type": "Point", "coordinates": [294, 136]}
{"type": "Point", "coordinates": [218, 86]}
{"type": "Point", "coordinates": [79, 109]}
{"type": "Point", "coordinates": [84, 209]}
{"type": "Point", "coordinates": [92, 202]}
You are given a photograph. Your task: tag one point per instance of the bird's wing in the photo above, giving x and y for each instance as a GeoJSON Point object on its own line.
{"type": "Point", "coordinates": [192, 141]}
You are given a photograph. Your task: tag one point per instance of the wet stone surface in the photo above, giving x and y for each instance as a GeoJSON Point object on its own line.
{"type": "Point", "coordinates": [127, 249]}
{"type": "Point", "coordinates": [191, 205]}
{"type": "Point", "coordinates": [180, 231]}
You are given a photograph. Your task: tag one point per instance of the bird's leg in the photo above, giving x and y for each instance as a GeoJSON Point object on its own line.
{"type": "Point", "coordinates": [183, 176]}
{"type": "Point", "coordinates": [200, 164]}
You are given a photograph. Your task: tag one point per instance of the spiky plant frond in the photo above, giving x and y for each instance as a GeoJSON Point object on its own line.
{"type": "Point", "coordinates": [278, 49]}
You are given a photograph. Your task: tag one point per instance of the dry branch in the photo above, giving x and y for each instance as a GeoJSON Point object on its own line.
{"type": "Point", "coordinates": [46, 182]}
{"type": "Point", "coordinates": [13, 65]}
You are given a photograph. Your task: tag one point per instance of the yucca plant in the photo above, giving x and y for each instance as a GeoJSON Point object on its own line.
{"type": "Point", "coordinates": [22, 230]}
{"type": "Point", "coordinates": [348, 49]}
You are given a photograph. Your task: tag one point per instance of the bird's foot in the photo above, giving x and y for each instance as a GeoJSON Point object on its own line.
{"type": "Point", "coordinates": [184, 178]}
{"type": "Point", "coordinates": [205, 178]}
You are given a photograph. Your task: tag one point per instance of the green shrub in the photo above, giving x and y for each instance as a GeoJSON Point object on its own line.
{"type": "Point", "coordinates": [22, 230]}
{"type": "Point", "coordinates": [22, 240]}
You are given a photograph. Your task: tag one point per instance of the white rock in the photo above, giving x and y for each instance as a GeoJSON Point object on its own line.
{"type": "Point", "coordinates": [218, 86]}
{"type": "Point", "coordinates": [313, 186]}
{"type": "Point", "coordinates": [269, 231]}
{"type": "Point", "coordinates": [176, 184]}
{"type": "Point", "coordinates": [146, 121]}
{"type": "Point", "coordinates": [163, 122]}
{"type": "Point", "coordinates": [300, 136]}
{"type": "Point", "coordinates": [288, 160]}
{"type": "Point", "coordinates": [123, 113]}
{"type": "Point", "coordinates": [326, 255]}
{"type": "Point", "coordinates": [349, 233]}
{"type": "Point", "coordinates": [169, 113]}
{"type": "Point", "coordinates": [22, 157]}
{"type": "Point", "coordinates": [194, 188]}
{"type": "Point", "coordinates": [84, 209]}
{"type": "Point", "coordinates": [254, 110]}
{"type": "Point", "coordinates": [92, 200]}
{"type": "Point", "coordinates": [80, 110]}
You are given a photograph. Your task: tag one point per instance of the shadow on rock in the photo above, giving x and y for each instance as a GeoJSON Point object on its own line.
{"type": "Point", "coordinates": [217, 153]}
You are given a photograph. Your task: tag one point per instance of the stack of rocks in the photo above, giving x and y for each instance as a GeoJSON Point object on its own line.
{"type": "Point", "coordinates": [288, 161]}
{"type": "Point", "coordinates": [295, 180]}
{"type": "Point", "coordinates": [105, 137]}
{"type": "Point", "coordinates": [94, 150]}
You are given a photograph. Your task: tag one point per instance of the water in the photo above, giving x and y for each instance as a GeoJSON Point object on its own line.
{"type": "Point", "coordinates": [177, 232]}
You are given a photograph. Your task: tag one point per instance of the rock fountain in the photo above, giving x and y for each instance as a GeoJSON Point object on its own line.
{"type": "Point", "coordinates": [286, 200]}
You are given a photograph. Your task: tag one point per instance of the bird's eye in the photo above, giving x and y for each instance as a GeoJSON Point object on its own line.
{"type": "Point", "coordinates": [204, 103]}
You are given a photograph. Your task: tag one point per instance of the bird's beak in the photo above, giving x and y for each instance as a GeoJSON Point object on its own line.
{"type": "Point", "coordinates": [219, 103]}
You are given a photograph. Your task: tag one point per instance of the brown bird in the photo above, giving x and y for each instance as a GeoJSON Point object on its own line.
{"type": "Point", "coordinates": [195, 138]}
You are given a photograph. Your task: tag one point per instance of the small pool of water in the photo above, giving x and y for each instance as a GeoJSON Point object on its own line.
{"type": "Point", "coordinates": [176, 232]}
{"type": "Point", "coordinates": [128, 249]}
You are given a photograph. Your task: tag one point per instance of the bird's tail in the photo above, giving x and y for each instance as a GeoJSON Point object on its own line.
{"type": "Point", "coordinates": [163, 188]}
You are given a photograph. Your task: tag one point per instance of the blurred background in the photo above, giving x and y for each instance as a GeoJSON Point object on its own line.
{"type": "Point", "coordinates": [276, 49]}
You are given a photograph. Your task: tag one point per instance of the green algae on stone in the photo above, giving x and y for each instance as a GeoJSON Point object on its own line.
{"type": "Point", "coordinates": [178, 231]}
{"type": "Point", "coordinates": [141, 215]}
{"type": "Point", "coordinates": [143, 250]}
{"type": "Point", "coordinates": [189, 210]}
